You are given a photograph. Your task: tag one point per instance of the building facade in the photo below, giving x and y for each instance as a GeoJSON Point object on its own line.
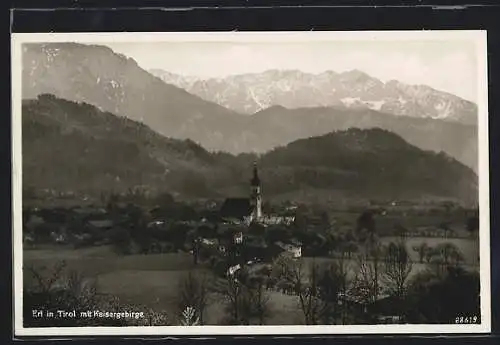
{"type": "Point", "coordinates": [255, 194]}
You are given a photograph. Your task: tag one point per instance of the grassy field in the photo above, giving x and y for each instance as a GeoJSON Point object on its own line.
{"type": "Point", "coordinates": [468, 247]}
{"type": "Point", "coordinates": [148, 280]}
{"type": "Point", "coordinates": [410, 220]}
{"type": "Point", "coordinates": [101, 260]}
{"type": "Point", "coordinates": [152, 280]}
{"type": "Point", "coordinates": [351, 266]}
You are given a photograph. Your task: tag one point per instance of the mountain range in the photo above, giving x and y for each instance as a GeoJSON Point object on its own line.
{"type": "Point", "coordinates": [76, 147]}
{"type": "Point", "coordinates": [249, 93]}
{"type": "Point", "coordinates": [114, 83]}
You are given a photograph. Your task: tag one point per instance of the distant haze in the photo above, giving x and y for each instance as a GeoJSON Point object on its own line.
{"type": "Point", "coordinates": [448, 66]}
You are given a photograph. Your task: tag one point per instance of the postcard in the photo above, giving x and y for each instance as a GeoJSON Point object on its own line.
{"type": "Point", "coordinates": [245, 183]}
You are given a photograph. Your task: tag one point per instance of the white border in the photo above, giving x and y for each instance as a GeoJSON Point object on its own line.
{"type": "Point", "coordinates": [479, 37]}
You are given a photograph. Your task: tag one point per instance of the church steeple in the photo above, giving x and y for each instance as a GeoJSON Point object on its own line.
{"type": "Point", "coordinates": [256, 197]}
{"type": "Point", "coordinates": [255, 181]}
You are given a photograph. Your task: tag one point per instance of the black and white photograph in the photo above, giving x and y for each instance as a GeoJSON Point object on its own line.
{"type": "Point", "coordinates": [250, 183]}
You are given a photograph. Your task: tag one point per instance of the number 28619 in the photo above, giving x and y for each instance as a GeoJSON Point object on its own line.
{"type": "Point", "coordinates": [466, 319]}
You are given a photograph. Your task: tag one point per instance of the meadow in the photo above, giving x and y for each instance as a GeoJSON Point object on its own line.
{"type": "Point", "coordinates": [467, 246]}
{"type": "Point", "coordinates": [152, 280]}
{"type": "Point", "coordinates": [149, 280]}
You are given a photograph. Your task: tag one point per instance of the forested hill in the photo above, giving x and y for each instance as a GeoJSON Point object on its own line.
{"type": "Point", "coordinates": [70, 146]}
{"type": "Point", "coordinates": [366, 162]}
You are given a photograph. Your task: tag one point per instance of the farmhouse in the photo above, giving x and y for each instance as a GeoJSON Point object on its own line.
{"type": "Point", "coordinates": [292, 249]}
{"type": "Point", "coordinates": [238, 237]}
{"type": "Point", "coordinates": [233, 269]}
{"type": "Point", "coordinates": [209, 241]}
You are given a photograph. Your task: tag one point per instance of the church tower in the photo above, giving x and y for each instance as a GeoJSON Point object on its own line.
{"type": "Point", "coordinates": [256, 197]}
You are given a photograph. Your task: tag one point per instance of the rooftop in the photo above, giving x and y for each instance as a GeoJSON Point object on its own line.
{"type": "Point", "coordinates": [236, 208]}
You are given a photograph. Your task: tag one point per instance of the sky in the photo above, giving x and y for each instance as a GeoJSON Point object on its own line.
{"type": "Point", "coordinates": [449, 66]}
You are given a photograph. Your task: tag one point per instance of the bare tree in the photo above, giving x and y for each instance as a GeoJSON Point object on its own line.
{"type": "Point", "coordinates": [59, 289]}
{"type": "Point", "coordinates": [342, 274]}
{"type": "Point", "coordinates": [196, 249]}
{"type": "Point", "coordinates": [233, 293]}
{"type": "Point", "coordinates": [83, 288]}
{"type": "Point", "coordinates": [194, 293]}
{"type": "Point", "coordinates": [259, 300]}
{"type": "Point", "coordinates": [421, 249]}
{"type": "Point", "coordinates": [304, 286]}
{"type": "Point", "coordinates": [446, 251]}
{"type": "Point", "coordinates": [397, 269]}
{"type": "Point", "coordinates": [307, 293]}
{"type": "Point", "coordinates": [45, 282]}
{"type": "Point", "coordinates": [366, 285]}
{"type": "Point", "coordinates": [330, 285]}
{"type": "Point", "coordinates": [154, 318]}
{"type": "Point", "coordinates": [457, 257]}
{"type": "Point", "coordinates": [369, 264]}
{"type": "Point", "coordinates": [446, 255]}
{"type": "Point", "coordinates": [236, 299]}
{"type": "Point", "coordinates": [189, 317]}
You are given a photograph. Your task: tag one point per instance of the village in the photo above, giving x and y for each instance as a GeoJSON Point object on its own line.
{"type": "Point", "coordinates": [245, 240]}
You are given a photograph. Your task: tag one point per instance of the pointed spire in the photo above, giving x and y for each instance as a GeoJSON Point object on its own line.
{"type": "Point", "coordinates": [255, 179]}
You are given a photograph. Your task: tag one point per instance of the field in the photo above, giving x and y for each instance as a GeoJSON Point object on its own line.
{"type": "Point", "coordinates": [152, 280]}
{"type": "Point", "coordinates": [149, 280]}
{"type": "Point", "coordinates": [468, 247]}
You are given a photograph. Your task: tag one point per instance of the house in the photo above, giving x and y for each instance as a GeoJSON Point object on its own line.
{"type": "Point", "coordinates": [238, 237]}
{"type": "Point", "coordinates": [58, 237]}
{"type": "Point", "coordinates": [274, 220]}
{"type": "Point", "coordinates": [228, 234]}
{"type": "Point", "coordinates": [209, 241]}
{"type": "Point", "coordinates": [156, 223]}
{"type": "Point", "coordinates": [294, 250]}
{"type": "Point", "coordinates": [233, 269]}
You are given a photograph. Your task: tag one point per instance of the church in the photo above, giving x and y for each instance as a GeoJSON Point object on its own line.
{"type": "Point", "coordinates": [248, 210]}
{"type": "Point", "coordinates": [245, 209]}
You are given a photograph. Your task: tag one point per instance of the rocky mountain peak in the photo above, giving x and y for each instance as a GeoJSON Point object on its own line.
{"type": "Point", "coordinates": [250, 93]}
